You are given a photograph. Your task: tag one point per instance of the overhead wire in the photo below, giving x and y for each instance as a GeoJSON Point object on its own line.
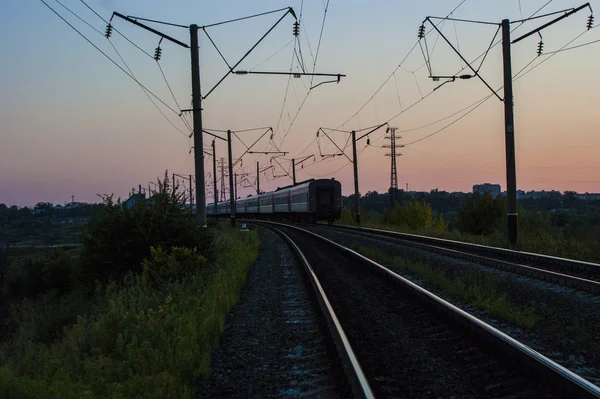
{"type": "Point", "coordinates": [129, 74]}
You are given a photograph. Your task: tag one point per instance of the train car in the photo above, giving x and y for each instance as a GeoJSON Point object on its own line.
{"type": "Point", "coordinates": [252, 206]}
{"type": "Point", "coordinates": [312, 200]}
{"type": "Point", "coordinates": [240, 206]}
{"type": "Point", "coordinates": [316, 200]}
{"type": "Point", "coordinates": [265, 204]}
{"type": "Point", "coordinates": [210, 210]}
{"type": "Point", "coordinates": [281, 200]}
{"type": "Point", "coordinates": [223, 208]}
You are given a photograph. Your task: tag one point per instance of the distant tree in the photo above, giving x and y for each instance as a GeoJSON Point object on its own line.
{"type": "Point", "coordinates": [482, 214]}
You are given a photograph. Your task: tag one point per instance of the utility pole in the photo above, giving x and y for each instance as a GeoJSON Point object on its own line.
{"type": "Point", "coordinates": [197, 112]}
{"type": "Point", "coordinates": [223, 195]}
{"type": "Point", "coordinates": [257, 178]}
{"type": "Point", "coordinates": [354, 159]}
{"type": "Point", "coordinates": [192, 197]}
{"type": "Point", "coordinates": [509, 128]}
{"type": "Point", "coordinates": [300, 162]}
{"type": "Point", "coordinates": [173, 183]}
{"type": "Point", "coordinates": [356, 193]}
{"type": "Point", "coordinates": [231, 188]}
{"type": "Point", "coordinates": [215, 174]}
{"type": "Point", "coordinates": [509, 131]}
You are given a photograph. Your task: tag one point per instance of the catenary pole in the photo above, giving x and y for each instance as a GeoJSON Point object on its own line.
{"type": "Point", "coordinates": [257, 178]}
{"type": "Point", "coordinates": [355, 162]}
{"type": "Point", "coordinates": [197, 112]}
{"type": "Point", "coordinates": [511, 170]}
{"type": "Point", "coordinates": [231, 188]}
{"type": "Point", "coordinates": [192, 197]}
{"type": "Point", "coordinates": [294, 171]}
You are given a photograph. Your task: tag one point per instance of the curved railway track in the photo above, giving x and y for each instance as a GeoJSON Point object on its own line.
{"type": "Point", "coordinates": [566, 272]}
{"type": "Point", "coordinates": [397, 339]}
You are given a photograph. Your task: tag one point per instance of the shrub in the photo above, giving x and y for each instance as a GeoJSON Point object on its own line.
{"type": "Point", "coordinates": [482, 215]}
{"type": "Point", "coordinates": [120, 237]}
{"type": "Point", "coordinates": [414, 215]}
{"type": "Point", "coordinates": [143, 339]}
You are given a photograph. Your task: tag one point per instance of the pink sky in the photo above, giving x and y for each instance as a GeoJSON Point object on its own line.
{"type": "Point", "coordinates": [73, 124]}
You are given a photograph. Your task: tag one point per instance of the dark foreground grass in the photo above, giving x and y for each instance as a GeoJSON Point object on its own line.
{"type": "Point", "coordinates": [480, 290]}
{"type": "Point", "coordinates": [142, 339]}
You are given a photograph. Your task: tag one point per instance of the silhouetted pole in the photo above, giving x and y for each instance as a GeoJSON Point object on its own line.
{"type": "Point", "coordinates": [356, 195]}
{"type": "Point", "coordinates": [191, 197]}
{"type": "Point", "coordinates": [294, 171]}
{"type": "Point", "coordinates": [197, 112]}
{"type": "Point", "coordinates": [214, 175]}
{"type": "Point", "coordinates": [231, 188]}
{"type": "Point", "coordinates": [173, 183]}
{"type": "Point", "coordinates": [257, 178]}
{"type": "Point", "coordinates": [511, 170]}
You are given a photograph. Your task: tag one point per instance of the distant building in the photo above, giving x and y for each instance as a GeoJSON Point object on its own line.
{"type": "Point", "coordinates": [493, 189]}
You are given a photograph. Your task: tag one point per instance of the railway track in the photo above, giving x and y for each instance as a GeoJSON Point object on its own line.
{"type": "Point", "coordinates": [396, 339]}
{"type": "Point", "coordinates": [566, 272]}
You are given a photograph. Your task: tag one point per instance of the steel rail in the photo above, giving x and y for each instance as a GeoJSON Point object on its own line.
{"type": "Point", "coordinates": [571, 384]}
{"type": "Point", "coordinates": [456, 249]}
{"type": "Point", "coordinates": [358, 381]}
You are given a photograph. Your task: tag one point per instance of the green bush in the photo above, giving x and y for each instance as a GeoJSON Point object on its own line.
{"type": "Point", "coordinates": [120, 237]}
{"type": "Point", "coordinates": [482, 215]}
{"type": "Point", "coordinates": [415, 216]}
{"type": "Point", "coordinates": [149, 337]}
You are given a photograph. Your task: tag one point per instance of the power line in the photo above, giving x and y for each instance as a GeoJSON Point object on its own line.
{"type": "Point", "coordinates": [110, 59]}
{"type": "Point", "coordinates": [116, 30]}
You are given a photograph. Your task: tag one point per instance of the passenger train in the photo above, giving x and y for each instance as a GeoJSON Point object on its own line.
{"type": "Point", "coordinates": [308, 201]}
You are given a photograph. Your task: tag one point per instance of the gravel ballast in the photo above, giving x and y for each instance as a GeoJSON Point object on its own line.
{"type": "Point", "coordinates": [274, 344]}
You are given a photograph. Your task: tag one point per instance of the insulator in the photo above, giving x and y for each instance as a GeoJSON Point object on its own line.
{"type": "Point", "coordinates": [157, 53]}
{"type": "Point", "coordinates": [540, 48]}
{"type": "Point", "coordinates": [421, 31]}
{"type": "Point", "coordinates": [296, 29]}
{"type": "Point", "coordinates": [297, 75]}
{"type": "Point", "coordinates": [108, 31]}
{"type": "Point", "coordinates": [590, 22]}
{"type": "Point", "coordinates": [368, 141]}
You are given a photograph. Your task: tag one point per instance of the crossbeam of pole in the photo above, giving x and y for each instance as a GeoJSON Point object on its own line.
{"type": "Point", "coordinates": [169, 38]}
{"type": "Point", "coordinates": [475, 72]}
{"type": "Point", "coordinates": [337, 146]}
{"type": "Point", "coordinates": [567, 14]}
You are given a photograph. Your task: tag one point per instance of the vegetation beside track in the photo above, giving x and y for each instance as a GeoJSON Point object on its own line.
{"type": "Point", "coordinates": [480, 290]}
{"type": "Point", "coordinates": [144, 327]}
{"type": "Point", "coordinates": [570, 233]}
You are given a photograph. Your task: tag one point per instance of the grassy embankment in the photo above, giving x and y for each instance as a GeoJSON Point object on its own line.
{"type": "Point", "coordinates": [147, 337]}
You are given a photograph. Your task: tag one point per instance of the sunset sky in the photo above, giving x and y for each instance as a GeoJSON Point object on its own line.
{"type": "Point", "coordinates": [72, 123]}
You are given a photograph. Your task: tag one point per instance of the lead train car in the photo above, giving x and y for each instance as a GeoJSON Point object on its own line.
{"type": "Point", "coordinates": [309, 201]}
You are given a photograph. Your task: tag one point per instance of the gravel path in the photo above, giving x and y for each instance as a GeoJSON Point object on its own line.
{"type": "Point", "coordinates": [563, 312]}
{"type": "Point", "coordinates": [404, 348]}
{"type": "Point", "coordinates": [274, 345]}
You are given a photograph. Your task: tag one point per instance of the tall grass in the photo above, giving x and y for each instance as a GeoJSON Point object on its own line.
{"type": "Point", "coordinates": [149, 337]}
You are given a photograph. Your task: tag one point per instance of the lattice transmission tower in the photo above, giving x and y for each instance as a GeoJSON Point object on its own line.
{"type": "Point", "coordinates": [223, 187]}
{"type": "Point", "coordinates": [393, 155]}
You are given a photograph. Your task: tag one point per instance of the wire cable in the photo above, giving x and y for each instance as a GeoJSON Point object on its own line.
{"type": "Point", "coordinates": [116, 64]}
{"type": "Point", "coordinates": [116, 30]}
